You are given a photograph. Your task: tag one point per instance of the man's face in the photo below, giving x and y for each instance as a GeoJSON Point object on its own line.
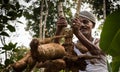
{"type": "Point", "coordinates": [86, 26]}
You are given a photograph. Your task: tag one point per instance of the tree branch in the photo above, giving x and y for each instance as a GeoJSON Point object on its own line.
{"type": "Point", "coordinates": [41, 22]}
{"type": "Point", "coordinates": [46, 14]}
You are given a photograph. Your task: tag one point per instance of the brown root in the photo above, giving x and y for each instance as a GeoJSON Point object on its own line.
{"type": "Point", "coordinates": [20, 65]}
{"type": "Point", "coordinates": [53, 65]}
{"type": "Point", "coordinates": [49, 51]}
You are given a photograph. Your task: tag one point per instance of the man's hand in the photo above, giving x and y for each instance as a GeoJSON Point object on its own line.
{"type": "Point", "coordinates": [76, 24]}
{"type": "Point", "coordinates": [61, 22]}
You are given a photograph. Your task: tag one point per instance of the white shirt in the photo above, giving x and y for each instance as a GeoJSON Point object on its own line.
{"type": "Point", "coordinates": [99, 66]}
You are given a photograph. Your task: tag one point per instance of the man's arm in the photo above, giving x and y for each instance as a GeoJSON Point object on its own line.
{"type": "Point", "coordinates": [93, 49]}
{"type": "Point", "coordinates": [61, 24]}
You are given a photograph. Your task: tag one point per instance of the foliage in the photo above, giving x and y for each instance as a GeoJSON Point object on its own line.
{"type": "Point", "coordinates": [97, 6]}
{"type": "Point", "coordinates": [15, 54]}
{"type": "Point", "coordinates": [10, 10]}
{"type": "Point", "coordinates": [32, 14]}
{"type": "Point", "coordinates": [110, 38]}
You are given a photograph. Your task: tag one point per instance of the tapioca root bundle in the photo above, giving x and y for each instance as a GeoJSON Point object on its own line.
{"type": "Point", "coordinates": [22, 64]}
{"type": "Point", "coordinates": [52, 65]}
{"type": "Point", "coordinates": [48, 51]}
{"type": "Point", "coordinates": [49, 56]}
{"type": "Point", "coordinates": [39, 53]}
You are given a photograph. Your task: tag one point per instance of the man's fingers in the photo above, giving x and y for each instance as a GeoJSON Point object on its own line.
{"type": "Point", "coordinates": [75, 21]}
{"type": "Point", "coordinates": [61, 22]}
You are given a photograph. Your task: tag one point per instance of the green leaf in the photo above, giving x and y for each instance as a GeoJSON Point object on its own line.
{"type": "Point", "coordinates": [11, 28]}
{"type": "Point", "coordinates": [6, 1]}
{"type": "Point", "coordinates": [0, 1]}
{"type": "Point", "coordinates": [1, 27]}
{"type": "Point", "coordinates": [62, 0]}
{"type": "Point", "coordinates": [15, 50]}
{"type": "Point", "coordinates": [27, 1]}
{"type": "Point", "coordinates": [4, 34]}
{"type": "Point", "coordinates": [8, 61]}
{"type": "Point", "coordinates": [110, 38]}
{"type": "Point", "coordinates": [20, 22]}
{"type": "Point", "coordinates": [5, 19]}
{"type": "Point", "coordinates": [19, 13]}
{"type": "Point", "coordinates": [115, 44]}
{"type": "Point", "coordinates": [109, 67]}
{"type": "Point", "coordinates": [17, 5]}
{"type": "Point", "coordinates": [11, 13]}
{"type": "Point", "coordinates": [10, 46]}
{"type": "Point", "coordinates": [6, 48]}
{"type": "Point", "coordinates": [2, 51]}
{"type": "Point", "coordinates": [115, 64]}
{"type": "Point", "coordinates": [13, 7]}
{"type": "Point", "coordinates": [110, 34]}
{"type": "Point", "coordinates": [5, 6]}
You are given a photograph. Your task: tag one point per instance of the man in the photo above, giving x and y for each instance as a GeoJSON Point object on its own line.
{"type": "Point", "coordinates": [86, 44]}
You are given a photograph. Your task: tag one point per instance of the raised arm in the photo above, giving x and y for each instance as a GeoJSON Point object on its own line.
{"type": "Point", "coordinates": [93, 49]}
{"type": "Point", "coordinates": [61, 24]}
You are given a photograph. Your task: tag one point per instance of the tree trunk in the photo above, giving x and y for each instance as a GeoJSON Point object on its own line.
{"type": "Point", "coordinates": [60, 9]}
{"type": "Point", "coordinates": [46, 14]}
{"type": "Point", "coordinates": [78, 8]}
{"type": "Point", "coordinates": [41, 22]}
{"type": "Point", "coordinates": [104, 9]}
